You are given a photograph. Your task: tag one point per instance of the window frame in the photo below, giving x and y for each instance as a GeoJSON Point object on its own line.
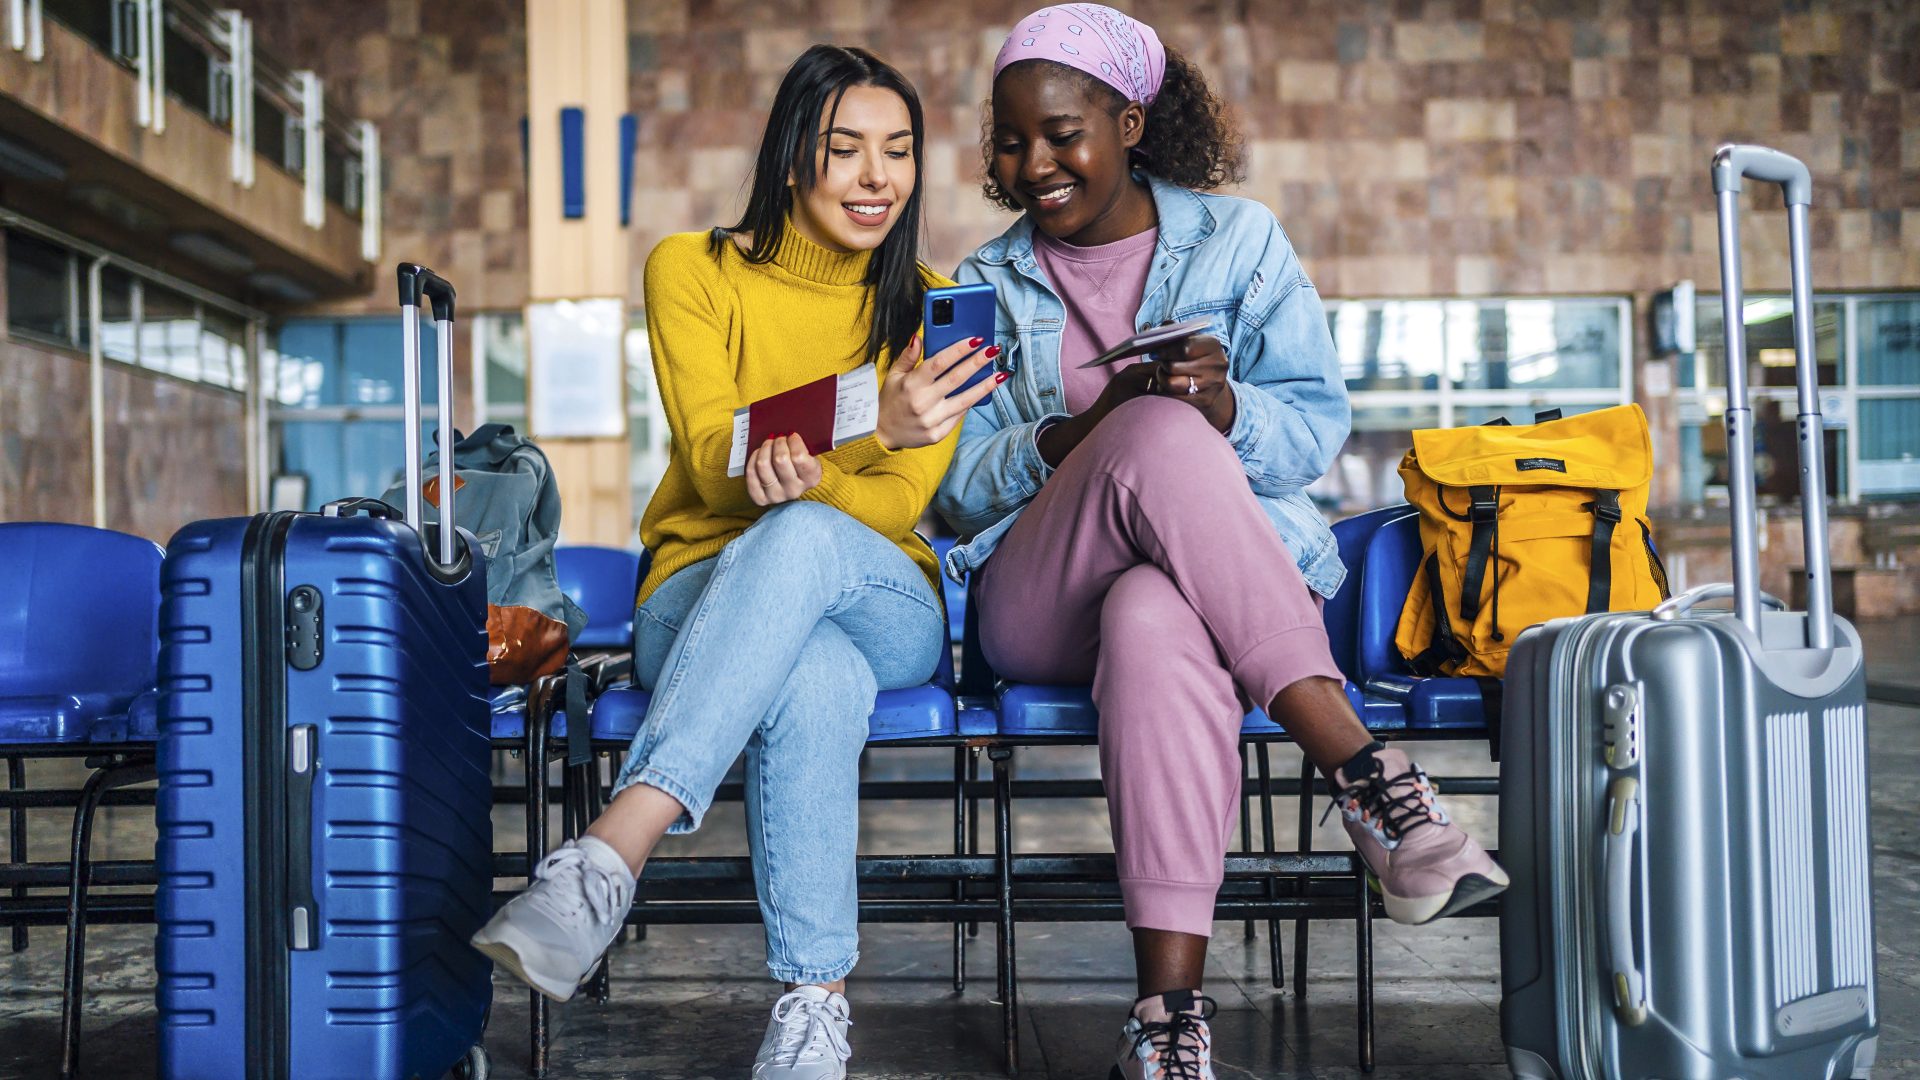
{"type": "Point", "coordinates": [1691, 401]}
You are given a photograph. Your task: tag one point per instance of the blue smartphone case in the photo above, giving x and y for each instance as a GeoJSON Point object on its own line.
{"type": "Point", "coordinates": [973, 311]}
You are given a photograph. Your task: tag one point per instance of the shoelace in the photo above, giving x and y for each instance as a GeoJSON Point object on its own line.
{"type": "Point", "coordinates": [578, 885]}
{"type": "Point", "coordinates": [807, 1030]}
{"type": "Point", "coordinates": [1179, 1043]}
{"type": "Point", "coordinates": [1397, 814]}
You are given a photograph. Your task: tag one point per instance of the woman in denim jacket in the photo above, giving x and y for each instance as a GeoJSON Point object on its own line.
{"type": "Point", "coordinates": [1146, 521]}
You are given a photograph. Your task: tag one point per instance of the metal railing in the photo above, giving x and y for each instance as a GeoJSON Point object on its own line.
{"type": "Point", "coordinates": [203, 58]}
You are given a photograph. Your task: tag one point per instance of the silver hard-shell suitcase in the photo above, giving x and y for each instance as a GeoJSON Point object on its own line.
{"type": "Point", "coordinates": [1683, 802]}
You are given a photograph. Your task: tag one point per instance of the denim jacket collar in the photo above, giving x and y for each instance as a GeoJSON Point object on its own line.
{"type": "Point", "coordinates": [1185, 222]}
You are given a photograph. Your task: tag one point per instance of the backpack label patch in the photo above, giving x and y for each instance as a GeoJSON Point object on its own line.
{"type": "Point", "coordinates": [1531, 464]}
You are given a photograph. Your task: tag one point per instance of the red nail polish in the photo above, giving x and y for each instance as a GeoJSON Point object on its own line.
{"type": "Point", "coordinates": [1000, 378]}
{"type": "Point", "coordinates": [993, 351]}
{"type": "Point", "coordinates": [974, 343]}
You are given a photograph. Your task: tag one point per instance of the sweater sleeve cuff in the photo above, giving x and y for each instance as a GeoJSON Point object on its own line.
{"type": "Point", "coordinates": [858, 454]}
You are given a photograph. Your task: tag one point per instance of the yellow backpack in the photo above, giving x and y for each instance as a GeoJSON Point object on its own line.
{"type": "Point", "coordinates": [1521, 524]}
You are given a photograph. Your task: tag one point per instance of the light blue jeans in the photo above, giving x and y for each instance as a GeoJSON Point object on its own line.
{"type": "Point", "coordinates": [776, 646]}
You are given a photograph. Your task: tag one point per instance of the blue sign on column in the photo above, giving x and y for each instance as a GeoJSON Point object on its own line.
{"type": "Point", "coordinates": [573, 162]}
{"type": "Point", "coordinates": [629, 139]}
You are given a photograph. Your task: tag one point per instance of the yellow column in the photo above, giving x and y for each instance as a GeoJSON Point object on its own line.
{"type": "Point", "coordinates": [577, 58]}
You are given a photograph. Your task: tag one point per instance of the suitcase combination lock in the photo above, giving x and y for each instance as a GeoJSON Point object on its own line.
{"type": "Point", "coordinates": [305, 623]}
{"type": "Point", "coordinates": [1622, 726]}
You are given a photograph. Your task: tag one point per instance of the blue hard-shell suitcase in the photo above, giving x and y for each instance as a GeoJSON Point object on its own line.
{"type": "Point", "coordinates": [324, 834]}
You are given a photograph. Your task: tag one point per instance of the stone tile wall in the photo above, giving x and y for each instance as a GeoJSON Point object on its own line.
{"type": "Point", "coordinates": [1411, 147]}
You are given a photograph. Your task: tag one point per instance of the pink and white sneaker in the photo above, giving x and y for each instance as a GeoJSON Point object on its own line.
{"type": "Point", "coordinates": [1167, 1039]}
{"type": "Point", "coordinates": [1428, 867]}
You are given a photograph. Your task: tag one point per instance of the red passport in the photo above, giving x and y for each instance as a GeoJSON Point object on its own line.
{"type": "Point", "coordinates": [807, 410]}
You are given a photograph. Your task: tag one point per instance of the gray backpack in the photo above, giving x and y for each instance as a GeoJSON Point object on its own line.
{"type": "Point", "coordinates": [509, 502]}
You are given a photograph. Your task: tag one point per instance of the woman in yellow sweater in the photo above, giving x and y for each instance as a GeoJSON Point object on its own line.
{"type": "Point", "coordinates": [781, 601]}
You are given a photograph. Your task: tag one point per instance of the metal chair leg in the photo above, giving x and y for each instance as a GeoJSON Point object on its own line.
{"type": "Point", "coordinates": [109, 773]}
{"type": "Point", "coordinates": [1274, 960]}
{"type": "Point", "coordinates": [1305, 845]}
{"type": "Point", "coordinates": [538, 719]}
{"type": "Point", "coordinates": [959, 848]}
{"type": "Point", "coordinates": [17, 838]}
{"type": "Point", "coordinates": [590, 807]}
{"type": "Point", "coordinates": [1003, 852]}
{"type": "Point", "coordinates": [1363, 963]}
{"type": "Point", "coordinates": [973, 822]}
{"type": "Point", "coordinates": [1246, 824]}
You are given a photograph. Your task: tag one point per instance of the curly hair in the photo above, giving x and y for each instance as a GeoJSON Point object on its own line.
{"type": "Point", "coordinates": [1190, 137]}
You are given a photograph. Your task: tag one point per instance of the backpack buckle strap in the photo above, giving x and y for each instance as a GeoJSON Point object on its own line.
{"type": "Point", "coordinates": [1485, 515]}
{"type": "Point", "coordinates": [1606, 515]}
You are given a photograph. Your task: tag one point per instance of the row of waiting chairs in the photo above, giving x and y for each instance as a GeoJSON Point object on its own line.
{"type": "Point", "coordinates": [77, 655]}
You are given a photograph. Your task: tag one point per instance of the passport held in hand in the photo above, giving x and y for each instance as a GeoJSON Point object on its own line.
{"type": "Point", "coordinates": [827, 412]}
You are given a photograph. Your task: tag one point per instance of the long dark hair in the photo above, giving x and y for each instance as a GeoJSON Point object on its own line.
{"type": "Point", "coordinates": [814, 85]}
{"type": "Point", "coordinates": [1190, 140]}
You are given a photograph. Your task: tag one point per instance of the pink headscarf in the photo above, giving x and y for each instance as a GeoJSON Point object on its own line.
{"type": "Point", "coordinates": [1109, 45]}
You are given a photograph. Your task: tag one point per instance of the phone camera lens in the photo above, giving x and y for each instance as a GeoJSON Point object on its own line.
{"type": "Point", "coordinates": [943, 312]}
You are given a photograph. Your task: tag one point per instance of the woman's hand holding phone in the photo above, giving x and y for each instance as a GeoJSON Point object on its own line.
{"type": "Point", "coordinates": [915, 409]}
{"type": "Point", "coordinates": [780, 470]}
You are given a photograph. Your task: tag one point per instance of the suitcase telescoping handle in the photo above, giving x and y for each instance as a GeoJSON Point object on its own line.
{"type": "Point", "coordinates": [417, 281]}
{"type": "Point", "coordinates": [1731, 165]}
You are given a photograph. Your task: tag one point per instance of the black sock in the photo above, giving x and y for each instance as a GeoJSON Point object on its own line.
{"type": "Point", "coordinates": [1174, 1001]}
{"type": "Point", "coordinates": [1361, 763]}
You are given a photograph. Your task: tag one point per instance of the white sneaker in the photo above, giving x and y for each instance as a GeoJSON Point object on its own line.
{"type": "Point", "coordinates": [807, 1037]}
{"type": "Point", "coordinates": [552, 934]}
{"type": "Point", "coordinates": [1175, 1044]}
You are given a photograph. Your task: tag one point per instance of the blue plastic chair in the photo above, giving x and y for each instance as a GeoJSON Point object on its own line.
{"type": "Point", "coordinates": [79, 652]}
{"type": "Point", "coordinates": [79, 611]}
{"type": "Point", "coordinates": [918, 712]}
{"type": "Point", "coordinates": [1392, 561]}
{"type": "Point", "coordinates": [602, 580]}
{"type": "Point", "coordinates": [1028, 710]}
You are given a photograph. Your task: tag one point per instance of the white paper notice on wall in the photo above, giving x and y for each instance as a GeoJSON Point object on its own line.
{"type": "Point", "coordinates": [576, 368]}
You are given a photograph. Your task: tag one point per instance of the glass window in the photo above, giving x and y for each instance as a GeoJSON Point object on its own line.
{"type": "Point", "coordinates": [503, 341]}
{"type": "Point", "coordinates": [39, 288]}
{"type": "Point", "coordinates": [307, 350]}
{"type": "Point", "coordinates": [1769, 322]}
{"type": "Point", "coordinates": [91, 19]}
{"type": "Point", "coordinates": [344, 458]}
{"type": "Point", "coordinates": [1534, 344]}
{"type": "Point", "coordinates": [1395, 345]}
{"type": "Point", "coordinates": [169, 333]}
{"type": "Point", "coordinates": [1366, 473]}
{"type": "Point", "coordinates": [1889, 342]}
{"type": "Point", "coordinates": [349, 362]}
{"type": "Point", "coordinates": [270, 130]}
{"type": "Point", "coordinates": [339, 176]}
{"type": "Point", "coordinates": [118, 330]}
{"type": "Point", "coordinates": [223, 350]}
{"type": "Point", "coordinates": [1889, 446]}
{"type": "Point", "coordinates": [189, 70]}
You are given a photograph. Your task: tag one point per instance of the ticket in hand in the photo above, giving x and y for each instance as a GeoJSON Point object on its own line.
{"type": "Point", "coordinates": [1148, 340]}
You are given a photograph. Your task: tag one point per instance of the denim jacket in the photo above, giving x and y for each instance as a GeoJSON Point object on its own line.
{"type": "Point", "coordinates": [1217, 256]}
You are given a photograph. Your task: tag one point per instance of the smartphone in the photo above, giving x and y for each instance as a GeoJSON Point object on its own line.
{"type": "Point", "coordinates": [959, 313]}
{"type": "Point", "coordinates": [1149, 340]}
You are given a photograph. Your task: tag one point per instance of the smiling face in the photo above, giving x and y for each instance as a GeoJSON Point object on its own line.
{"type": "Point", "coordinates": [864, 172]}
{"type": "Point", "coordinates": [1061, 153]}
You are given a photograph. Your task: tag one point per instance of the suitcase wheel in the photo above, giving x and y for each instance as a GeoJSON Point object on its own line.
{"type": "Point", "coordinates": [475, 1066]}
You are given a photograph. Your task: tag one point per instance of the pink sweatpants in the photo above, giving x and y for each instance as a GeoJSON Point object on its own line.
{"type": "Point", "coordinates": [1147, 567]}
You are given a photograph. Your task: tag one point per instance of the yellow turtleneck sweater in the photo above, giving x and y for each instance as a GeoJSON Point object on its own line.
{"type": "Point", "coordinates": [726, 333]}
